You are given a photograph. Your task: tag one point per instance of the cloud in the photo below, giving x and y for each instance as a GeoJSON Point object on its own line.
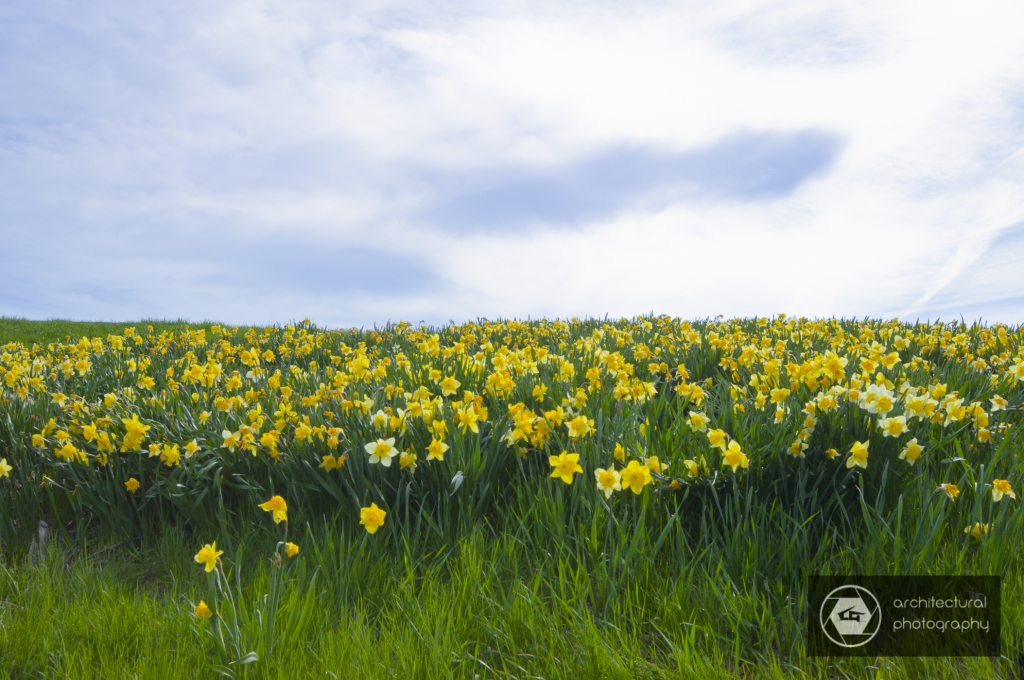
{"type": "Point", "coordinates": [741, 167]}
{"type": "Point", "coordinates": [268, 160]}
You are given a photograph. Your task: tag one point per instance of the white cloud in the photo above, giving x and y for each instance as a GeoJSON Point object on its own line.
{"type": "Point", "coordinates": [145, 134]}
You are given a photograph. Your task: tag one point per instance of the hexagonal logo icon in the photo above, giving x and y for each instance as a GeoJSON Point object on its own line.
{"type": "Point", "coordinates": [850, 616]}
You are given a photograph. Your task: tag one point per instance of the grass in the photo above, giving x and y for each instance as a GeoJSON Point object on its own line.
{"type": "Point", "coordinates": [486, 606]}
{"type": "Point", "coordinates": [510, 574]}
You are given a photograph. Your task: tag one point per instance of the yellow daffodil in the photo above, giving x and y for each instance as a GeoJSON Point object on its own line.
{"type": "Point", "coordinates": [580, 426]}
{"type": "Point", "coordinates": [436, 449]}
{"type": "Point", "coordinates": [608, 481]}
{"type": "Point", "coordinates": [382, 451]}
{"type": "Point", "coordinates": [372, 518]}
{"type": "Point", "coordinates": [278, 507]}
{"type": "Point", "coordinates": [698, 422]}
{"type": "Point", "coordinates": [208, 555]}
{"type": "Point", "coordinates": [950, 490]}
{"type": "Point", "coordinates": [565, 465]}
{"type": "Point", "coordinates": [202, 611]}
{"type": "Point", "coordinates": [132, 484]}
{"type": "Point", "coordinates": [912, 451]}
{"type": "Point", "coordinates": [858, 455]}
{"type": "Point", "coordinates": [635, 477]}
{"type": "Point", "coordinates": [1000, 488]}
{"type": "Point", "coordinates": [291, 549]}
{"type": "Point", "coordinates": [977, 530]}
{"type": "Point", "coordinates": [734, 457]}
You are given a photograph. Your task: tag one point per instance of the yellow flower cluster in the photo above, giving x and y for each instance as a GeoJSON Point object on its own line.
{"type": "Point", "coordinates": [650, 402]}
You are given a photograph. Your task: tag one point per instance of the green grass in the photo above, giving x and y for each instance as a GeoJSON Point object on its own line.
{"type": "Point", "coordinates": [482, 607]}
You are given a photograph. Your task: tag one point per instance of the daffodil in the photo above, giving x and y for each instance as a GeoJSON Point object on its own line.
{"type": "Point", "coordinates": [893, 427]}
{"type": "Point", "coordinates": [565, 465]}
{"type": "Point", "coordinates": [1000, 488]}
{"type": "Point", "coordinates": [202, 611]}
{"type": "Point", "coordinates": [449, 386]}
{"type": "Point", "coordinates": [608, 481]}
{"type": "Point", "coordinates": [912, 451]}
{"type": "Point", "coordinates": [858, 455]}
{"type": "Point", "coordinates": [950, 490]}
{"type": "Point", "coordinates": [208, 555]}
{"type": "Point", "coordinates": [170, 456]}
{"type": "Point", "coordinates": [698, 422]}
{"type": "Point", "coordinates": [656, 465]}
{"type": "Point", "coordinates": [382, 451]}
{"type": "Point", "coordinates": [372, 518]}
{"type": "Point", "coordinates": [436, 449]}
{"type": "Point", "coordinates": [635, 477]}
{"type": "Point", "coordinates": [132, 484]}
{"type": "Point", "coordinates": [5, 469]}
{"type": "Point", "coordinates": [977, 530]}
{"type": "Point", "coordinates": [580, 426]}
{"type": "Point", "coordinates": [734, 457]}
{"type": "Point", "coordinates": [278, 507]}
{"type": "Point", "coordinates": [291, 549]}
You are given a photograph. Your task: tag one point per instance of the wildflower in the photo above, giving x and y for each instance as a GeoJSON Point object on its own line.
{"type": "Point", "coordinates": [329, 463]}
{"type": "Point", "coordinates": [698, 422]}
{"type": "Point", "coordinates": [436, 449]}
{"type": "Point", "coordinates": [5, 469]}
{"type": "Point", "coordinates": [202, 611]}
{"type": "Point", "coordinates": [372, 518]}
{"type": "Point", "coordinates": [170, 456]}
{"type": "Point", "coordinates": [303, 433]}
{"type": "Point", "coordinates": [467, 417]}
{"type": "Point", "coordinates": [208, 555]}
{"type": "Point", "coordinates": [291, 549]}
{"type": "Point", "coordinates": [951, 490]}
{"type": "Point", "coordinates": [858, 455]}
{"type": "Point", "coordinates": [635, 476]}
{"type": "Point", "coordinates": [580, 426]}
{"type": "Point", "coordinates": [977, 530]}
{"type": "Point", "coordinates": [407, 459]}
{"type": "Point", "coordinates": [276, 505]}
{"type": "Point", "coordinates": [382, 451]}
{"type": "Point", "coordinates": [734, 457]}
{"type": "Point", "coordinates": [893, 427]}
{"type": "Point", "coordinates": [717, 439]}
{"type": "Point", "coordinates": [1000, 488]}
{"type": "Point", "coordinates": [565, 465]}
{"type": "Point", "coordinates": [656, 465]}
{"type": "Point", "coordinates": [608, 481]}
{"type": "Point", "coordinates": [191, 448]}
{"type": "Point", "coordinates": [449, 386]}
{"type": "Point", "coordinates": [230, 439]}
{"type": "Point", "coordinates": [912, 451]}
{"type": "Point", "coordinates": [38, 441]}
{"type": "Point", "coordinates": [132, 484]}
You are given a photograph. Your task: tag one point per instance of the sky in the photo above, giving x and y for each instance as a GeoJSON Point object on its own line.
{"type": "Point", "coordinates": [357, 163]}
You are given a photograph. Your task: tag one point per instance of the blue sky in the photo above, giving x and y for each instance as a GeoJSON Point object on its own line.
{"type": "Point", "coordinates": [258, 162]}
